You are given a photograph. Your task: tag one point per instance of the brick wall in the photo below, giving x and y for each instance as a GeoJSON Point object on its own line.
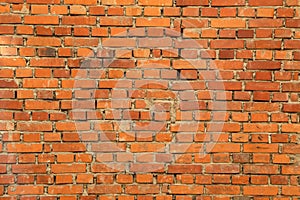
{"type": "Point", "coordinates": [149, 99]}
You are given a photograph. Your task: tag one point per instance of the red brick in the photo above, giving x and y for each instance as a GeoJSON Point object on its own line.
{"type": "Point", "coordinates": [43, 31]}
{"type": "Point", "coordinates": [39, 9]}
{"type": "Point", "coordinates": [260, 169]}
{"type": "Point", "coordinates": [263, 44]}
{"type": "Point", "coordinates": [226, 54]}
{"type": "Point", "coordinates": [78, 20]}
{"type": "Point", "coordinates": [43, 1]}
{"type": "Point", "coordinates": [265, 12]}
{"type": "Point", "coordinates": [124, 178]}
{"type": "Point", "coordinates": [46, 62]}
{"type": "Point", "coordinates": [222, 168]}
{"type": "Point", "coordinates": [155, 2]}
{"type": "Point", "coordinates": [118, 42]}
{"type": "Point", "coordinates": [97, 10]}
{"type": "Point", "coordinates": [8, 84]}
{"type": "Point", "coordinates": [12, 62]}
{"type": "Point", "coordinates": [291, 44]}
{"type": "Point", "coordinates": [147, 147]}
{"type": "Point", "coordinates": [144, 178]}
{"type": "Point", "coordinates": [84, 178]}
{"type": "Point", "coordinates": [41, 105]}
{"type": "Point", "coordinates": [171, 11]}
{"type": "Point", "coordinates": [263, 65]}
{"type": "Point", "coordinates": [118, 2]}
{"type": "Point", "coordinates": [227, 44]}
{"type": "Point", "coordinates": [24, 148]}
{"type": "Point", "coordinates": [23, 126]}
{"type": "Point", "coordinates": [290, 190]}
{"type": "Point", "coordinates": [228, 3]}
{"type": "Point", "coordinates": [228, 23]}
{"type": "Point", "coordinates": [7, 29]}
{"type": "Point", "coordinates": [192, 3]}
{"type": "Point", "coordinates": [291, 108]}
{"type": "Point", "coordinates": [265, 3]}
{"type": "Point", "coordinates": [260, 148]}
{"type": "Point", "coordinates": [290, 87]}
{"type": "Point", "coordinates": [184, 189]}
{"type": "Point", "coordinates": [68, 147]}
{"type": "Point", "coordinates": [194, 23]}
{"type": "Point", "coordinates": [142, 189]}
{"type": "Point", "coordinates": [4, 8]}
{"type": "Point", "coordinates": [184, 169]}
{"type": "Point", "coordinates": [25, 179]}
{"type": "Point", "coordinates": [10, 19]}
{"type": "Point", "coordinates": [220, 64]}
{"type": "Point", "coordinates": [25, 190]}
{"type": "Point", "coordinates": [278, 180]}
{"type": "Point", "coordinates": [40, 83]}
{"type": "Point", "coordinates": [262, 86]}
{"type": "Point", "coordinates": [293, 148]}
{"type": "Point", "coordinates": [90, 2]}
{"type": "Point", "coordinates": [43, 41]}
{"type": "Point", "coordinates": [116, 21]}
{"type": "Point", "coordinates": [105, 189]}
{"type": "Point", "coordinates": [189, 64]}
{"type": "Point", "coordinates": [29, 169]}
{"type": "Point", "coordinates": [68, 168]}
{"type": "Point", "coordinates": [292, 23]}
{"type": "Point", "coordinates": [7, 179]}
{"type": "Point", "coordinates": [10, 40]}
{"type": "Point", "coordinates": [81, 41]}
{"type": "Point", "coordinates": [259, 190]}
{"type": "Point", "coordinates": [77, 10]}
{"type": "Point", "coordinates": [41, 20]}
{"type": "Point", "coordinates": [65, 189]}
{"type": "Point", "coordinates": [265, 23]}
{"type": "Point", "coordinates": [214, 189]}
{"type": "Point", "coordinates": [56, 9]}
{"type": "Point", "coordinates": [153, 22]}
{"type": "Point", "coordinates": [106, 168]}
{"type": "Point", "coordinates": [11, 105]}
{"type": "Point", "coordinates": [260, 127]}
{"type": "Point", "coordinates": [294, 170]}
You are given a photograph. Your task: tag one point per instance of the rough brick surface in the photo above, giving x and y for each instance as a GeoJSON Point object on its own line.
{"type": "Point", "coordinates": [149, 99]}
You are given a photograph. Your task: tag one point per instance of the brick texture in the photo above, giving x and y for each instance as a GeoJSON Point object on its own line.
{"type": "Point", "coordinates": [149, 99]}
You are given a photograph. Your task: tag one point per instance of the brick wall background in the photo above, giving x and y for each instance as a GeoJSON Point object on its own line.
{"type": "Point", "coordinates": [149, 99]}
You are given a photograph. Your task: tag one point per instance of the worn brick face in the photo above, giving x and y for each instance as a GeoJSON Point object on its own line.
{"type": "Point", "coordinates": [149, 99]}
